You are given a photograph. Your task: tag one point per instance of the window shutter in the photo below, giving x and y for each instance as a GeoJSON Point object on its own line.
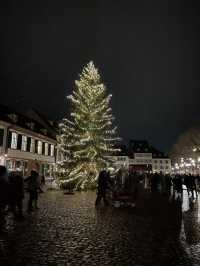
{"type": "Point", "coordinates": [19, 142]}
{"type": "Point", "coordinates": [29, 144]}
{"type": "Point", "coordinates": [9, 139]}
{"type": "Point", "coordinates": [36, 146]}
{"type": "Point", "coordinates": [49, 150]}
{"type": "Point", "coordinates": [43, 148]}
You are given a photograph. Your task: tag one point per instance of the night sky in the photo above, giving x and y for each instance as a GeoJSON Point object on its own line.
{"type": "Point", "coordinates": [147, 52]}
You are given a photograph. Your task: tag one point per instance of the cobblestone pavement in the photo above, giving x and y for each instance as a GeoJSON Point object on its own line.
{"type": "Point", "coordinates": [68, 230]}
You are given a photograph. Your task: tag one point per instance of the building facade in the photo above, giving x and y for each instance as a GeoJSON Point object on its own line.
{"type": "Point", "coordinates": [25, 144]}
{"type": "Point", "coordinates": [141, 157]}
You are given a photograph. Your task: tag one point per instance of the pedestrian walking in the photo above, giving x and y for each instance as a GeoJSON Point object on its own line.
{"type": "Point", "coordinates": [16, 184]}
{"type": "Point", "coordinates": [178, 185]}
{"type": "Point", "coordinates": [155, 182]}
{"type": "Point", "coordinates": [4, 192]}
{"type": "Point", "coordinates": [193, 185]}
{"type": "Point", "coordinates": [43, 180]}
{"type": "Point", "coordinates": [134, 185]}
{"type": "Point", "coordinates": [102, 187]}
{"type": "Point", "coordinates": [33, 187]}
{"type": "Point", "coordinates": [168, 183]}
{"type": "Point", "coordinates": [187, 183]}
{"type": "Point", "coordinates": [163, 183]}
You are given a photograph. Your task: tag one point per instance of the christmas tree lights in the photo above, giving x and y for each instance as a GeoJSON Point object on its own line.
{"type": "Point", "coordinates": [88, 137]}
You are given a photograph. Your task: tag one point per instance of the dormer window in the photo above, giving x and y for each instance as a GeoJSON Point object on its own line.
{"type": "Point", "coordinates": [13, 117]}
{"type": "Point", "coordinates": [44, 131]}
{"type": "Point", "coordinates": [31, 125]}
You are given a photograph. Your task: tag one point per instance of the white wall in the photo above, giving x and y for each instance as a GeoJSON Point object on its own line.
{"type": "Point", "coordinates": [17, 154]}
{"type": "Point", "coordinates": [158, 164]}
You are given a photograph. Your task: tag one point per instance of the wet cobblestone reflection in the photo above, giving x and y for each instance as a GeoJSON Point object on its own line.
{"type": "Point", "coordinates": [68, 230]}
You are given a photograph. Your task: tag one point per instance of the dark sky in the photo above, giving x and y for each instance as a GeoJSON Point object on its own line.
{"type": "Point", "coordinates": [147, 52]}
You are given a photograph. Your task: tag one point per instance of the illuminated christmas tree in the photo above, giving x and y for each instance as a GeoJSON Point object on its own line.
{"type": "Point", "coordinates": [88, 137]}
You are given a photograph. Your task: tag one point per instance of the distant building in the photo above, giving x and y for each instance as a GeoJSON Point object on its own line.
{"type": "Point", "coordinates": [26, 143]}
{"type": "Point", "coordinates": [142, 157]}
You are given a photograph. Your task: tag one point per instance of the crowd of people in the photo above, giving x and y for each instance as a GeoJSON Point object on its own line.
{"type": "Point", "coordinates": [12, 188]}
{"type": "Point", "coordinates": [175, 184]}
{"type": "Point", "coordinates": [128, 188]}
{"type": "Point", "coordinates": [125, 187]}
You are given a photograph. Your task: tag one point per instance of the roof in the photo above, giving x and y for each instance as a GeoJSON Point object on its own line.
{"type": "Point", "coordinates": [51, 126]}
{"type": "Point", "coordinates": [23, 121]}
{"type": "Point", "coordinates": [45, 119]}
{"type": "Point", "coordinates": [142, 146]}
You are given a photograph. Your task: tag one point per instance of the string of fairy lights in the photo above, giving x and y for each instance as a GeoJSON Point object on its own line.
{"type": "Point", "coordinates": [88, 137]}
{"type": "Point", "coordinates": [189, 164]}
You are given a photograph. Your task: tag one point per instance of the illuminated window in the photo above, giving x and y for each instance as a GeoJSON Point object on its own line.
{"type": "Point", "coordinates": [32, 148]}
{"type": "Point", "coordinates": [39, 147]}
{"type": "Point", "coordinates": [14, 141]}
{"type": "Point", "coordinates": [52, 150]}
{"type": "Point", "coordinates": [46, 149]}
{"type": "Point", "coordinates": [24, 143]}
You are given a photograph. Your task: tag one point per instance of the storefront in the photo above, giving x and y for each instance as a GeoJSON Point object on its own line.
{"type": "Point", "coordinates": [24, 167]}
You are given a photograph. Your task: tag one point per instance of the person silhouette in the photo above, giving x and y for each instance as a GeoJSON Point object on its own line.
{"type": "Point", "coordinates": [4, 192]}
{"type": "Point", "coordinates": [33, 187]}
{"type": "Point", "coordinates": [102, 187]}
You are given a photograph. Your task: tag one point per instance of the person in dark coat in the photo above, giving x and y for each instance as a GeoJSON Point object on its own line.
{"type": "Point", "coordinates": [4, 192]}
{"type": "Point", "coordinates": [168, 182]}
{"type": "Point", "coordinates": [102, 187]}
{"type": "Point", "coordinates": [33, 187]}
{"type": "Point", "coordinates": [16, 194]}
{"type": "Point", "coordinates": [155, 181]}
{"type": "Point", "coordinates": [187, 183]}
{"type": "Point", "coordinates": [134, 184]}
{"type": "Point", "coordinates": [178, 185]}
{"type": "Point", "coordinates": [43, 180]}
{"type": "Point", "coordinates": [192, 184]}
